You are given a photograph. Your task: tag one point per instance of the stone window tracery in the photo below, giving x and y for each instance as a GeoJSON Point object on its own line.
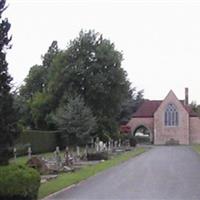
{"type": "Point", "coordinates": [171, 115]}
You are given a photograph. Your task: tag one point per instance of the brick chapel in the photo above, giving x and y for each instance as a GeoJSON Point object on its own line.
{"type": "Point", "coordinates": [168, 119]}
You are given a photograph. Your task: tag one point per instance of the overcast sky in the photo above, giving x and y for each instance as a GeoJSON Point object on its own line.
{"type": "Point", "coordinates": [160, 39]}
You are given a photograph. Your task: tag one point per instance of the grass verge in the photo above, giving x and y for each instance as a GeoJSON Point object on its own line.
{"type": "Point", "coordinates": [196, 147]}
{"type": "Point", "coordinates": [65, 180]}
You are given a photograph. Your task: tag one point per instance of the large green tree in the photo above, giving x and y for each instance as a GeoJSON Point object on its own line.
{"type": "Point", "coordinates": [8, 127]}
{"type": "Point", "coordinates": [91, 67]}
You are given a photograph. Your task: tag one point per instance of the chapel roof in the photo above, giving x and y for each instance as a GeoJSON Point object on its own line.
{"type": "Point", "coordinates": [148, 108]}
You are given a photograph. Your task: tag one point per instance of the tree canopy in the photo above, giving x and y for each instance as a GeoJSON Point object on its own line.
{"type": "Point", "coordinates": [89, 67]}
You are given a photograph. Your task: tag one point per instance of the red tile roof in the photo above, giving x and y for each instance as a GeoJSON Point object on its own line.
{"type": "Point", "coordinates": [148, 108]}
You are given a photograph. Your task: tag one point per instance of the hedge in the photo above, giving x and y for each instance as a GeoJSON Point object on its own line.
{"type": "Point", "coordinates": [18, 182]}
{"type": "Point", "coordinates": [40, 141]}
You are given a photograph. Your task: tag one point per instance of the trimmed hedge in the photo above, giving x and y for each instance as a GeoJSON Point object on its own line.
{"type": "Point", "coordinates": [97, 156]}
{"type": "Point", "coordinates": [18, 182]}
{"type": "Point", "coordinates": [40, 141]}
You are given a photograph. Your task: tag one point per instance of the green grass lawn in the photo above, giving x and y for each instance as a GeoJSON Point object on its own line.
{"type": "Point", "coordinates": [196, 147]}
{"type": "Point", "coordinates": [67, 179]}
{"type": "Point", "coordinates": [23, 159]}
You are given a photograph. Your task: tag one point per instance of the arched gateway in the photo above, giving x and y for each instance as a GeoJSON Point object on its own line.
{"type": "Point", "coordinates": [170, 119]}
{"type": "Point", "coordinates": [143, 134]}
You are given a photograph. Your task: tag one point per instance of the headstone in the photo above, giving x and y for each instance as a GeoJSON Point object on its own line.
{"type": "Point", "coordinates": [101, 146]}
{"type": "Point", "coordinates": [109, 145]}
{"type": "Point", "coordinates": [29, 152]}
{"type": "Point", "coordinates": [119, 143]}
{"type": "Point", "coordinates": [92, 143]}
{"type": "Point", "coordinates": [78, 151]}
{"type": "Point", "coordinates": [66, 156]}
{"type": "Point", "coordinates": [97, 145]}
{"type": "Point", "coordinates": [58, 157]}
{"type": "Point", "coordinates": [15, 153]}
{"type": "Point", "coordinates": [115, 144]}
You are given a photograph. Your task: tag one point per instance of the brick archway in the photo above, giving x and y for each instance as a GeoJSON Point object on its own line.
{"type": "Point", "coordinates": [151, 138]}
{"type": "Point", "coordinates": [135, 123]}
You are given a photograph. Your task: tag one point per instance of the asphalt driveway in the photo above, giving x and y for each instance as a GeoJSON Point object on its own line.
{"type": "Point", "coordinates": [165, 172]}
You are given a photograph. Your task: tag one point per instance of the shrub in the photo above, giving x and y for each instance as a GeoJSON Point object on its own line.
{"type": "Point", "coordinates": [133, 141]}
{"type": "Point", "coordinates": [98, 156]}
{"type": "Point", "coordinates": [40, 141]}
{"type": "Point", "coordinates": [142, 139]}
{"type": "Point", "coordinates": [18, 182]}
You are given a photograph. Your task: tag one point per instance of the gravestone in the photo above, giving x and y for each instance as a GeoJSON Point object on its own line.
{"type": "Point", "coordinates": [29, 152]}
{"type": "Point", "coordinates": [109, 145]}
{"type": "Point", "coordinates": [115, 144]}
{"type": "Point", "coordinates": [58, 157]}
{"type": "Point", "coordinates": [78, 151]}
{"type": "Point", "coordinates": [101, 146]}
{"type": "Point", "coordinates": [15, 153]}
{"type": "Point", "coordinates": [119, 143]}
{"type": "Point", "coordinates": [97, 145]}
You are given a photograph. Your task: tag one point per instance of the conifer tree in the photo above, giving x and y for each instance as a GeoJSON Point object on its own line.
{"type": "Point", "coordinates": [8, 124]}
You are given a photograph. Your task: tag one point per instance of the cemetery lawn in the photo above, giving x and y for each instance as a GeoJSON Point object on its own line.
{"type": "Point", "coordinates": [196, 147]}
{"type": "Point", "coordinates": [66, 179]}
{"type": "Point", "coordinates": [22, 160]}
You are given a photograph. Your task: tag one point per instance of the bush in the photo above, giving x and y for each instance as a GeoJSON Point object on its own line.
{"type": "Point", "coordinates": [133, 141]}
{"type": "Point", "coordinates": [18, 182]}
{"type": "Point", "coordinates": [142, 139]}
{"type": "Point", "coordinates": [98, 156]}
{"type": "Point", "coordinates": [40, 141]}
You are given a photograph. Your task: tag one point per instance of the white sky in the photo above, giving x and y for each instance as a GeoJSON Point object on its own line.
{"type": "Point", "coordinates": [160, 39]}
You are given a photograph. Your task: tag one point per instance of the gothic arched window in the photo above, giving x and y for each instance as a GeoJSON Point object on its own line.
{"type": "Point", "coordinates": [171, 115]}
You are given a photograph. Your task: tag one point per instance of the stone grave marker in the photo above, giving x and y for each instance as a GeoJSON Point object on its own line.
{"type": "Point", "coordinates": [15, 153]}
{"type": "Point", "coordinates": [29, 153]}
{"type": "Point", "coordinates": [78, 151]}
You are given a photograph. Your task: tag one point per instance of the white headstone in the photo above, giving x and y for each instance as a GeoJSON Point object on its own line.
{"type": "Point", "coordinates": [78, 151]}
{"type": "Point", "coordinates": [29, 152]}
{"type": "Point", "coordinates": [101, 146]}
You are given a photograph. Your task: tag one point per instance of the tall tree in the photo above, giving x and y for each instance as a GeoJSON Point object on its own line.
{"type": "Point", "coordinates": [8, 127]}
{"type": "Point", "coordinates": [91, 67]}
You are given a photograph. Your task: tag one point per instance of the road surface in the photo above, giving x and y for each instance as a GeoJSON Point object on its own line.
{"type": "Point", "coordinates": [163, 173]}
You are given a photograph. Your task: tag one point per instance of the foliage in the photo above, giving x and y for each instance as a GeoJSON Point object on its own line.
{"type": "Point", "coordinates": [8, 125]}
{"type": "Point", "coordinates": [75, 120]}
{"type": "Point", "coordinates": [68, 179]}
{"type": "Point", "coordinates": [35, 139]}
{"type": "Point", "coordinates": [89, 67]}
{"type": "Point", "coordinates": [195, 108]}
{"type": "Point", "coordinates": [18, 183]}
{"type": "Point", "coordinates": [98, 156]}
{"type": "Point", "coordinates": [34, 82]}
{"type": "Point", "coordinates": [142, 139]}
{"type": "Point", "coordinates": [133, 141]}
{"type": "Point", "coordinates": [39, 107]}
{"type": "Point", "coordinates": [33, 94]}
{"type": "Point", "coordinates": [130, 105]}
